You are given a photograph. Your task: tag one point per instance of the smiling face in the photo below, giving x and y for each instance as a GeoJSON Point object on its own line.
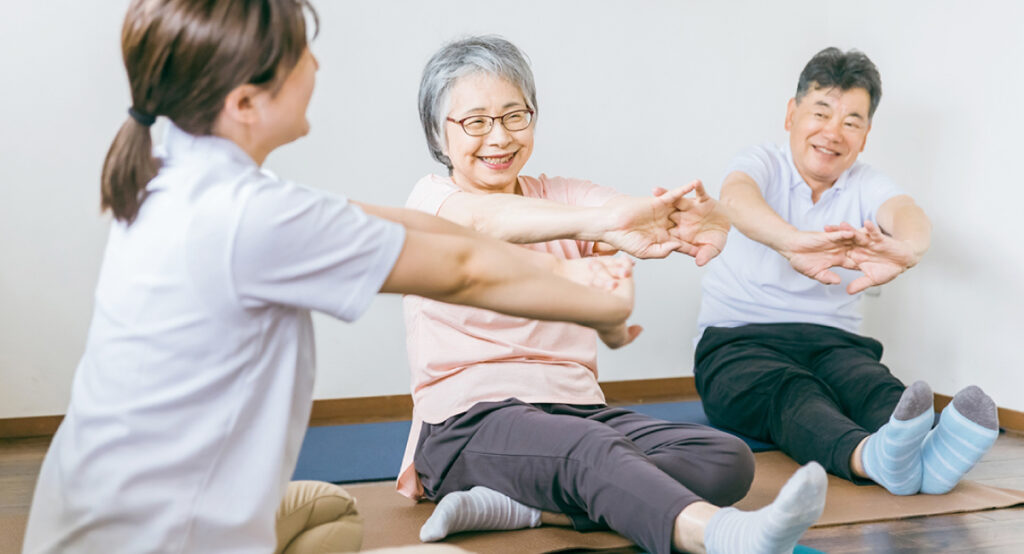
{"type": "Point", "coordinates": [828, 128]}
{"type": "Point", "coordinates": [492, 162]}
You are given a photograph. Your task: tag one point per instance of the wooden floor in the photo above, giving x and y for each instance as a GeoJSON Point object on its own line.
{"type": "Point", "coordinates": [995, 531]}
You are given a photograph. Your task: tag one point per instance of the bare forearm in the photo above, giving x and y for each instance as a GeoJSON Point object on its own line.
{"type": "Point", "coordinates": [414, 219]}
{"type": "Point", "coordinates": [525, 220]}
{"type": "Point", "coordinates": [478, 272]}
{"type": "Point", "coordinates": [743, 202]}
{"type": "Point", "coordinates": [904, 220]}
{"type": "Point", "coordinates": [420, 221]}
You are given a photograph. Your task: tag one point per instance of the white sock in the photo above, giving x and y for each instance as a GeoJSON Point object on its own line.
{"type": "Point", "coordinates": [776, 528]}
{"type": "Point", "coordinates": [477, 509]}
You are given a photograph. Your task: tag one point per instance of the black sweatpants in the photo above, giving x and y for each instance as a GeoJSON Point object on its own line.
{"type": "Point", "coordinates": [603, 467]}
{"type": "Point", "coordinates": [813, 390]}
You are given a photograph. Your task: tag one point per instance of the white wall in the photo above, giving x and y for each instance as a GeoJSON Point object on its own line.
{"type": "Point", "coordinates": [688, 84]}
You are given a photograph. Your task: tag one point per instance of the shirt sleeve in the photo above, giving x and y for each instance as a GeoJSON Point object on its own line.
{"type": "Point", "coordinates": [875, 189]}
{"type": "Point", "coordinates": [430, 193]}
{"type": "Point", "coordinates": [759, 163]}
{"type": "Point", "coordinates": [301, 247]}
{"type": "Point", "coordinates": [575, 192]}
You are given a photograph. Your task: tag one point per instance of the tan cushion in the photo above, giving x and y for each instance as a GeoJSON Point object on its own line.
{"type": "Point", "coordinates": [316, 518]}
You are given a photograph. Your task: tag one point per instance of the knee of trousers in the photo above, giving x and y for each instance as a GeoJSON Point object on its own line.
{"type": "Point", "coordinates": [728, 479]}
{"type": "Point", "coordinates": [317, 517]}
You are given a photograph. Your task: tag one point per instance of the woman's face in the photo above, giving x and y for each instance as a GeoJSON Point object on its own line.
{"type": "Point", "coordinates": [284, 112]}
{"type": "Point", "coordinates": [492, 162]}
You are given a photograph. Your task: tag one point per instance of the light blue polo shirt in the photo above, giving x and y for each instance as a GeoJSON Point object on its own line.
{"type": "Point", "coordinates": [752, 283]}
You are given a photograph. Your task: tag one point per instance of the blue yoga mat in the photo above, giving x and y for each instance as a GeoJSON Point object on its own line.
{"type": "Point", "coordinates": [373, 451]}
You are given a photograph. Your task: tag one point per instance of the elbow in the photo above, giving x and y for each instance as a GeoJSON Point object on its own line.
{"type": "Point", "coordinates": [465, 274]}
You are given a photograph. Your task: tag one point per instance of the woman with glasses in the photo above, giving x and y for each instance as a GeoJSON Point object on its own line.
{"type": "Point", "coordinates": [510, 426]}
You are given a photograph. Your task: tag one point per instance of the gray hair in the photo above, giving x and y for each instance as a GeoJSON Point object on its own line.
{"type": "Point", "coordinates": [846, 70]}
{"type": "Point", "coordinates": [488, 54]}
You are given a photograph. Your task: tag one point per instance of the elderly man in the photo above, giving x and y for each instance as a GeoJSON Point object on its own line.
{"type": "Point", "coordinates": [779, 357]}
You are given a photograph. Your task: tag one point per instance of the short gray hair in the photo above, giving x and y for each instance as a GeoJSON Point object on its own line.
{"type": "Point", "coordinates": [488, 54]}
{"type": "Point", "coordinates": [844, 70]}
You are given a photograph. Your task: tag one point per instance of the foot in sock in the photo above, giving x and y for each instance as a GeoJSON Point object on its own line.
{"type": "Point", "coordinates": [892, 455]}
{"type": "Point", "coordinates": [966, 431]}
{"type": "Point", "coordinates": [777, 527]}
{"type": "Point", "coordinates": [477, 509]}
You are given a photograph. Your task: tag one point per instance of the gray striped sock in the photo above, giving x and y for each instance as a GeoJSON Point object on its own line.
{"type": "Point", "coordinates": [478, 509]}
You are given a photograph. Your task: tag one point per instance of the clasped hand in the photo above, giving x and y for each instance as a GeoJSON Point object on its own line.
{"type": "Point", "coordinates": [612, 274]}
{"type": "Point", "coordinates": [879, 257]}
{"type": "Point", "coordinates": [667, 222]}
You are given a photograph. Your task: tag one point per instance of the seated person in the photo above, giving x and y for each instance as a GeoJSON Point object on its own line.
{"type": "Point", "coordinates": [779, 358]}
{"type": "Point", "coordinates": [509, 419]}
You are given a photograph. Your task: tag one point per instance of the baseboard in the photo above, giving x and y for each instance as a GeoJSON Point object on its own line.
{"type": "Point", "coordinates": [340, 411]}
{"type": "Point", "coordinates": [337, 411]}
{"type": "Point", "coordinates": [20, 427]}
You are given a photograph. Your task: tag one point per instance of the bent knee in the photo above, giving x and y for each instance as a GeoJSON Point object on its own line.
{"type": "Point", "coordinates": [729, 480]}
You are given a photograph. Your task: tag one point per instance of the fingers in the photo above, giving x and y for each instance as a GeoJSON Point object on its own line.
{"type": "Point", "coordinates": [674, 195]}
{"type": "Point", "coordinates": [661, 250]}
{"type": "Point", "coordinates": [699, 187]}
{"type": "Point", "coordinates": [859, 284]}
{"type": "Point", "coordinates": [658, 191]}
{"type": "Point", "coordinates": [604, 249]}
{"type": "Point", "coordinates": [688, 249]}
{"type": "Point", "coordinates": [633, 332]}
{"type": "Point", "coordinates": [705, 254]}
{"type": "Point", "coordinates": [873, 230]}
{"type": "Point", "coordinates": [601, 275]}
{"type": "Point", "coordinates": [620, 336]}
{"type": "Point", "coordinates": [840, 236]}
{"type": "Point", "coordinates": [828, 277]}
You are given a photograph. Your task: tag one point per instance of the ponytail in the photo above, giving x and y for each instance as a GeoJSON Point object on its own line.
{"type": "Point", "coordinates": [183, 57]}
{"type": "Point", "coordinates": [129, 166]}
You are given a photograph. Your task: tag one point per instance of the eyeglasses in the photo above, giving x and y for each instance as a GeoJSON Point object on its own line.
{"type": "Point", "coordinates": [480, 125]}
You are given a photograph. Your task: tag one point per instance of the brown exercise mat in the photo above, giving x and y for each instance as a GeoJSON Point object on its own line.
{"type": "Point", "coordinates": [393, 520]}
{"type": "Point", "coordinates": [850, 503]}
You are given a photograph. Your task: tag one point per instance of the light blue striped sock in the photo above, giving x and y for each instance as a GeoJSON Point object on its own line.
{"type": "Point", "coordinates": [966, 431]}
{"type": "Point", "coordinates": [775, 528]}
{"type": "Point", "coordinates": [892, 455]}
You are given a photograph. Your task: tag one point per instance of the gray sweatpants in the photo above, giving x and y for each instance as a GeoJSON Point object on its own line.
{"type": "Point", "coordinates": [603, 467]}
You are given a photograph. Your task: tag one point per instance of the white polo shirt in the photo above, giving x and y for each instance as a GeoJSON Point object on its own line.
{"type": "Point", "coordinates": [190, 403]}
{"type": "Point", "coordinates": [752, 283]}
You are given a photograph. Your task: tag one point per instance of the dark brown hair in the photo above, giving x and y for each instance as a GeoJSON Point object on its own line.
{"type": "Point", "coordinates": [847, 70]}
{"type": "Point", "coordinates": [183, 57]}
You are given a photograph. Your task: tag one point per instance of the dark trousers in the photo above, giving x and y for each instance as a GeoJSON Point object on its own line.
{"type": "Point", "coordinates": [813, 390]}
{"type": "Point", "coordinates": [603, 467]}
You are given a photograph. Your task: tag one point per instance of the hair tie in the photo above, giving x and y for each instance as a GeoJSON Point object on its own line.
{"type": "Point", "coordinates": [142, 118]}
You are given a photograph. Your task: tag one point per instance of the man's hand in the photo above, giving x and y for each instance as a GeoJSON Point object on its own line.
{"type": "Point", "coordinates": [814, 254]}
{"type": "Point", "coordinates": [642, 226]}
{"type": "Point", "coordinates": [701, 226]}
{"type": "Point", "coordinates": [879, 257]}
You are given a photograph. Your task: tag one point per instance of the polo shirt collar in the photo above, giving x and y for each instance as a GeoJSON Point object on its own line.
{"type": "Point", "coordinates": [181, 147]}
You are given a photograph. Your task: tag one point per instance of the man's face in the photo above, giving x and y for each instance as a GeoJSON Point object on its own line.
{"type": "Point", "coordinates": [827, 130]}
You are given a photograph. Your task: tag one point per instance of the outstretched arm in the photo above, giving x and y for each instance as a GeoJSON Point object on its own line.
{"type": "Point", "coordinates": [811, 253]}
{"type": "Point", "coordinates": [642, 227]}
{"type": "Point", "coordinates": [449, 263]}
{"type": "Point", "coordinates": [884, 251]}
